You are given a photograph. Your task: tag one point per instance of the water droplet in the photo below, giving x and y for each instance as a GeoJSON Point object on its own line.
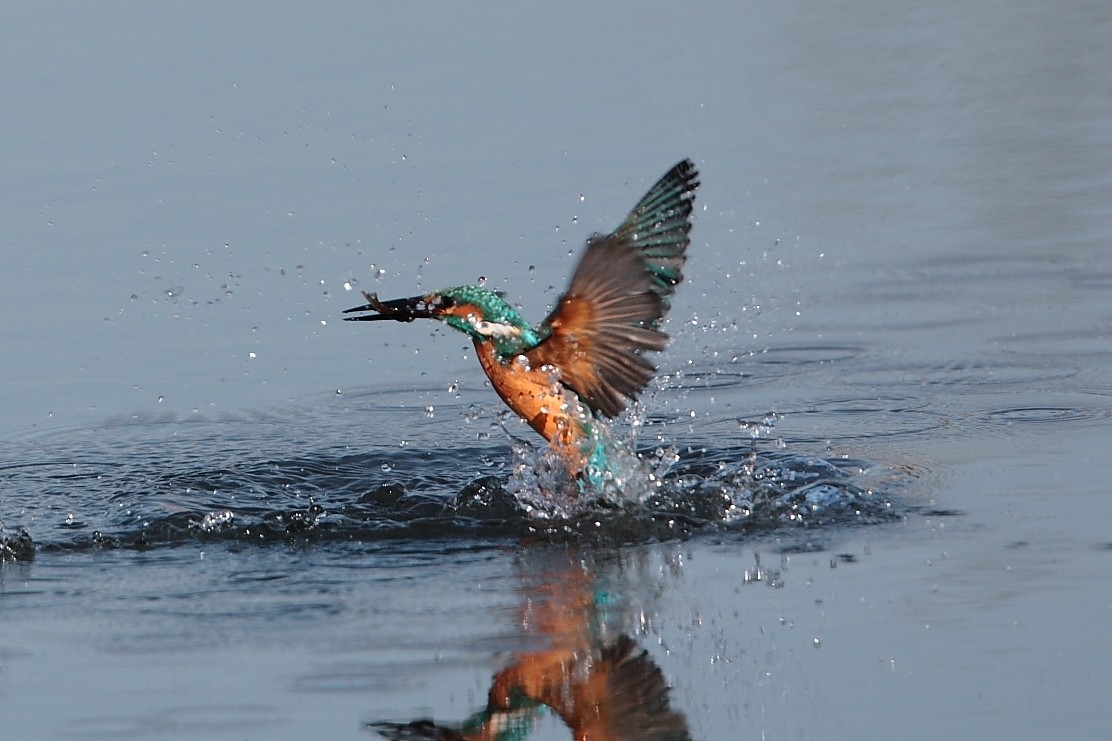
{"type": "Point", "coordinates": [482, 280]}
{"type": "Point", "coordinates": [251, 355]}
{"type": "Point", "coordinates": [430, 411]}
{"type": "Point", "coordinates": [453, 387]}
{"type": "Point", "coordinates": [386, 468]}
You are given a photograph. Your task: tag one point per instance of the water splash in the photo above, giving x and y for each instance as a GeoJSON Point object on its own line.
{"type": "Point", "coordinates": [15, 544]}
{"type": "Point", "coordinates": [660, 492]}
{"type": "Point", "coordinates": [544, 486]}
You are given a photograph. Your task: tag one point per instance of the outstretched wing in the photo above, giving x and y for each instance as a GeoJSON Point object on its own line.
{"type": "Point", "coordinates": [601, 326]}
{"type": "Point", "coordinates": [659, 227]}
{"type": "Point", "coordinates": [619, 293]}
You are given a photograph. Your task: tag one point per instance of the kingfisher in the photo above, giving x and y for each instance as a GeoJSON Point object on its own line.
{"type": "Point", "coordinates": [585, 361]}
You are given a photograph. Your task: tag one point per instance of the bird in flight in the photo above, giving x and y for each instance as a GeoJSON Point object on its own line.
{"type": "Point", "coordinates": [586, 359]}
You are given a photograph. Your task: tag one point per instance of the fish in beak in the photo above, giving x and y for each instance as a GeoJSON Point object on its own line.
{"type": "Point", "coordinates": [399, 309]}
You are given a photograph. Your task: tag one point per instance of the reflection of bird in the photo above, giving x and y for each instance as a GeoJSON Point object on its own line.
{"type": "Point", "coordinates": [639, 697]}
{"type": "Point", "coordinates": [586, 357]}
{"type": "Point", "coordinates": [619, 695]}
{"type": "Point", "coordinates": [418, 730]}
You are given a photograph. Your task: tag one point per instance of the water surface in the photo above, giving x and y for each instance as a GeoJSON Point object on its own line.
{"type": "Point", "coordinates": [236, 516]}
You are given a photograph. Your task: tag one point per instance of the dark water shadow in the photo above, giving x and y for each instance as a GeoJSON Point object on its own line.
{"type": "Point", "coordinates": [148, 500]}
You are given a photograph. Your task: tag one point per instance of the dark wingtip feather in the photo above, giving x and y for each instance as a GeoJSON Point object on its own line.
{"type": "Point", "coordinates": [659, 226]}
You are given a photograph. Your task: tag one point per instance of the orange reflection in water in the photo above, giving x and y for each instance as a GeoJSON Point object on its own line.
{"type": "Point", "coordinates": [604, 690]}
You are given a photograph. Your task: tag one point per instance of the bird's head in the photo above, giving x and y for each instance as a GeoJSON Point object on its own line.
{"type": "Point", "coordinates": [476, 311]}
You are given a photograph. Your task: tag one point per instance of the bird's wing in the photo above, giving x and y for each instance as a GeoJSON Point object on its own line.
{"type": "Point", "coordinates": [618, 294]}
{"type": "Point", "coordinates": [601, 326]}
{"type": "Point", "coordinates": [660, 224]}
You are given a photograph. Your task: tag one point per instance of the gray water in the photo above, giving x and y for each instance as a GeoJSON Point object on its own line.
{"type": "Point", "coordinates": [230, 515]}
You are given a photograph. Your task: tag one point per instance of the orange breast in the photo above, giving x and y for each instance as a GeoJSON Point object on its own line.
{"type": "Point", "coordinates": [536, 396]}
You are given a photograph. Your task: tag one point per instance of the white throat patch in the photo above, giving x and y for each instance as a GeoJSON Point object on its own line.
{"type": "Point", "coordinates": [492, 329]}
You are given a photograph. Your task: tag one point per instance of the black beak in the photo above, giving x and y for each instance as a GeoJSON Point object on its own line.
{"type": "Point", "coordinates": [399, 309]}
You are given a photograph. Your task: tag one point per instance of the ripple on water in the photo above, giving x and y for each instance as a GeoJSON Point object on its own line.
{"type": "Point", "coordinates": [970, 375]}
{"type": "Point", "coordinates": [167, 484]}
{"type": "Point", "coordinates": [1041, 415]}
{"type": "Point", "coordinates": [845, 418]}
{"type": "Point", "coordinates": [774, 363]}
{"type": "Point", "coordinates": [196, 721]}
{"type": "Point", "coordinates": [1059, 344]}
{"type": "Point", "coordinates": [803, 355]}
{"type": "Point", "coordinates": [866, 417]}
{"type": "Point", "coordinates": [1092, 281]}
{"type": "Point", "coordinates": [709, 379]}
